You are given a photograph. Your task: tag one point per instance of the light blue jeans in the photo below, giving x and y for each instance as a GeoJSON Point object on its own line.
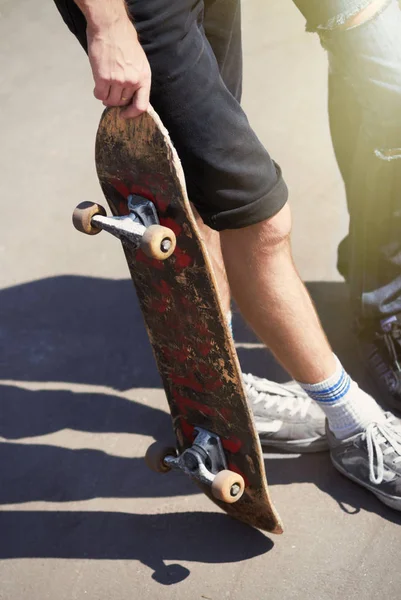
{"type": "Point", "coordinates": [365, 121]}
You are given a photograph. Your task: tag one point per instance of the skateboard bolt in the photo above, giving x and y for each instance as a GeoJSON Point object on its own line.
{"type": "Point", "coordinates": [235, 490]}
{"type": "Point", "coordinates": [191, 462]}
{"type": "Point", "coordinates": [165, 245]}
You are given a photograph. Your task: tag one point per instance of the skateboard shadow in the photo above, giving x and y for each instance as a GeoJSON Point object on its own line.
{"type": "Point", "coordinates": [150, 539]}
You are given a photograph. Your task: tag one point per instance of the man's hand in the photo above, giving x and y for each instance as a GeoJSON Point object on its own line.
{"type": "Point", "coordinates": [120, 68]}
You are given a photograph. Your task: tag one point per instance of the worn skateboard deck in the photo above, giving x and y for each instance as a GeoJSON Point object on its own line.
{"type": "Point", "coordinates": [193, 348]}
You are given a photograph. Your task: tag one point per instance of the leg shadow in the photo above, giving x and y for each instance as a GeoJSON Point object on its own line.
{"type": "Point", "coordinates": [26, 413]}
{"type": "Point", "coordinates": [151, 539]}
{"type": "Point", "coordinates": [52, 474]}
{"type": "Point", "coordinates": [77, 329]}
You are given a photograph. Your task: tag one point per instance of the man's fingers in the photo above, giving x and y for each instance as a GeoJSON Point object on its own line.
{"type": "Point", "coordinates": [126, 95]}
{"type": "Point", "coordinates": [119, 96]}
{"type": "Point", "coordinates": [139, 103]}
{"type": "Point", "coordinates": [102, 89]}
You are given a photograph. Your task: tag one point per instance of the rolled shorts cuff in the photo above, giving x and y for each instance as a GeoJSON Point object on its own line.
{"type": "Point", "coordinates": [265, 207]}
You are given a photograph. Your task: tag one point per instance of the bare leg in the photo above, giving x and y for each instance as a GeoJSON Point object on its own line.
{"type": "Point", "coordinates": [211, 239]}
{"type": "Point", "coordinates": [274, 263]}
{"type": "Point", "coordinates": [273, 299]}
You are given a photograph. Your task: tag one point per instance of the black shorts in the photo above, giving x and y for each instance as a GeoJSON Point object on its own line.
{"type": "Point", "coordinates": [194, 50]}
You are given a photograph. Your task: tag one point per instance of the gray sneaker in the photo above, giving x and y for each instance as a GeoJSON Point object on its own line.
{"type": "Point", "coordinates": [372, 459]}
{"type": "Point", "coordinates": [286, 417]}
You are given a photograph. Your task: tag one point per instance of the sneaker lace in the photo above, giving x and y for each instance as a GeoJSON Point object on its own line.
{"type": "Point", "coordinates": [278, 396]}
{"type": "Point", "coordinates": [382, 439]}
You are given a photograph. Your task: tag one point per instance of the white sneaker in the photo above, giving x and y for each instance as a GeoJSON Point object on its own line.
{"type": "Point", "coordinates": [286, 417]}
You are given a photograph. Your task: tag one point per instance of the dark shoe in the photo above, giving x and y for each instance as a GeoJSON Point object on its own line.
{"type": "Point", "coordinates": [381, 348]}
{"type": "Point", "coordinates": [372, 458]}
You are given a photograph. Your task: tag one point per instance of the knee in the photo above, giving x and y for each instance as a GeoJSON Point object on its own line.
{"type": "Point", "coordinates": [275, 232]}
{"type": "Point", "coordinates": [266, 237]}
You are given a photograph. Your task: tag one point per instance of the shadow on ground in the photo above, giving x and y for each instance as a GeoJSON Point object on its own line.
{"type": "Point", "coordinates": [90, 331]}
{"type": "Point", "coordinates": [76, 329]}
{"type": "Point", "coordinates": [317, 469]}
{"type": "Point", "coordinates": [34, 472]}
{"type": "Point", "coordinates": [151, 539]}
{"type": "Point", "coordinates": [47, 411]}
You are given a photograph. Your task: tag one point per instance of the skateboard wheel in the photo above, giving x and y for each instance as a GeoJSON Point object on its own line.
{"type": "Point", "coordinates": [82, 217]}
{"type": "Point", "coordinates": [158, 242]}
{"type": "Point", "coordinates": [155, 455]}
{"type": "Point", "coordinates": [228, 486]}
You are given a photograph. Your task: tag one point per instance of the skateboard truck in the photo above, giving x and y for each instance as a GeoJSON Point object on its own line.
{"type": "Point", "coordinates": [204, 461]}
{"type": "Point", "coordinates": [140, 227]}
{"type": "Point", "coordinates": [142, 211]}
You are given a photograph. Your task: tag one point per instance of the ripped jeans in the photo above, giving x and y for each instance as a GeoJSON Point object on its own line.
{"type": "Point", "coordinates": [365, 122]}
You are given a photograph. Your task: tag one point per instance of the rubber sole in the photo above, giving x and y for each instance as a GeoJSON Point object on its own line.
{"type": "Point", "coordinates": [298, 446]}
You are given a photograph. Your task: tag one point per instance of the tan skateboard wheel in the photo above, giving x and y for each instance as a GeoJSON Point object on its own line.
{"type": "Point", "coordinates": [228, 486]}
{"type": "Point", "coordinates": [155, 455]}
{"type": "Point", "coordinates": [82, 217]}
{"type": "Point", "coordinates": [158, 242]}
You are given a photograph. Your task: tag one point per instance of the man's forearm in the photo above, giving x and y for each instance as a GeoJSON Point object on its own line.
{"type": "Point", "coordinates": [102, 13]}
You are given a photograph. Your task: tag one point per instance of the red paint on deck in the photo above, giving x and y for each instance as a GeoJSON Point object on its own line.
{"type": "Point", "coordinates": [140, 190]}
{"type": "Point", "coordinates": [180, 355]}
{"type": "Point", "coordinates": [160, 306]}
{"type": "Point", "coordinates": [232, 444]}
{"type": "Point", "coordinates": [190, 307]}
{"type": "Point", "coordinates": [123, 208]}
{"type": "Point", "coordinates": [201, 327]}
{"type": "Point", "coordinates": [184, 404]}
{"type": "Point", "coordinates": [187, 430]}
{"type": "Point", "coordinates": [163, 287]}
{"type": "Point", "coordinates": [182, 259]}
{"type": "Point", "coordinates": [205, 348]}
{"type": "Point", "coordinates": [193, 383]}
{"type": "Point", "coordinates": [189, 382]}
{"type": "Point", "coordinates": [211, 379]}
{"type": "Point", "coordinates": [150, 262]}
{"type": "Point", "coordinates": [171, 224]}
{"type": "Point", "coordinates": [120, 187]}
{"type": "Point", "coordinates": [227, 413]}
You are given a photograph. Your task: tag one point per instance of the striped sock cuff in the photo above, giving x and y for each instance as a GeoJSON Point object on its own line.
{"type": "Point", "coordinates": [330, 390]}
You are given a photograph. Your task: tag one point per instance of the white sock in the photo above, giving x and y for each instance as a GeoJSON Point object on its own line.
{"type": "Point", "coordinates": [229, 318]}
{"type": "Point", "coordinates": [348, 409]}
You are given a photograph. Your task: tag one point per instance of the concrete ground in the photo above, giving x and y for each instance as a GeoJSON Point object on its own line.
{"type": "Point", "coordinates": [81, 516]}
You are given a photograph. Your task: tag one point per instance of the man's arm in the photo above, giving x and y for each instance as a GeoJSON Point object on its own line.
{"type": "Point", "coordinates": [119, 65]}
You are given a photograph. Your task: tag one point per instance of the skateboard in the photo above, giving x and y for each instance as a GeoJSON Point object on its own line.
{"type": "Point", "coordinates": [216, 441]}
